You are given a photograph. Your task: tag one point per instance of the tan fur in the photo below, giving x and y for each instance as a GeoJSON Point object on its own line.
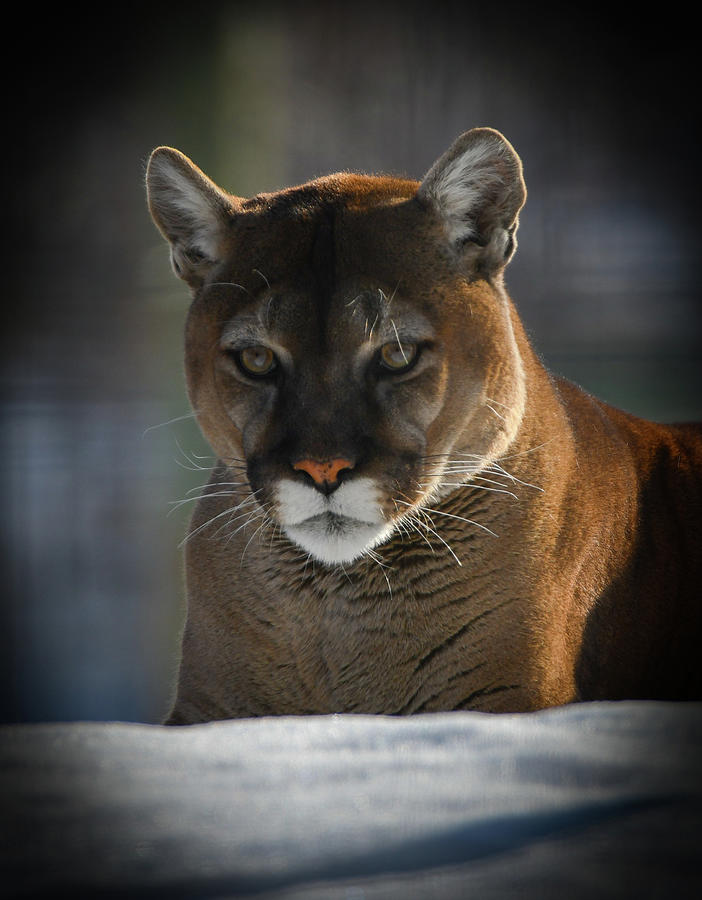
{"type": "Point", "coordinates": [564, 565]}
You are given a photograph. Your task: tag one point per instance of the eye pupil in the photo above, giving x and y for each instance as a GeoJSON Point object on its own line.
{"type": "Point", "coordinates": [396, 356]}
{"type": "Point", "coordinates": [257, 360]}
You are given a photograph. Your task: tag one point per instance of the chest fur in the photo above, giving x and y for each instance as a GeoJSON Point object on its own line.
{"type": "Point", "coordinates": [418, 637]}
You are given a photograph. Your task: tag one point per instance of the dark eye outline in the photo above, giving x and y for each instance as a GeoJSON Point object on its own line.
{"type": "Point", "coordinates": [238, 357]}
{"type": "Point", "coordinates": [410, 362]}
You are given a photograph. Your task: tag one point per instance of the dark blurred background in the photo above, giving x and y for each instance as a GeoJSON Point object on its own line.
{"type": "Point", "coordinates": [603, 110]}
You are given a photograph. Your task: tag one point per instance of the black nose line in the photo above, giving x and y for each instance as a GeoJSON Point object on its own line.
{"type": "Point", "coordinates": [328, 487]}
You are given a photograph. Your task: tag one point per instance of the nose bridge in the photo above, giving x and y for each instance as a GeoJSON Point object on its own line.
{"type": "Point", "coordinates": [323, 417]}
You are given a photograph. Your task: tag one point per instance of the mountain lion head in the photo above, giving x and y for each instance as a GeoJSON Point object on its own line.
{"type": "Point", "coordinates": [349, 345]}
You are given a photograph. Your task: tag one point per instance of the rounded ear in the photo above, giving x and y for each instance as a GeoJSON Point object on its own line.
{"type": "Point", "coordinates": [477, 187]}
{"type": "Point", "coordinates": [190, 211]}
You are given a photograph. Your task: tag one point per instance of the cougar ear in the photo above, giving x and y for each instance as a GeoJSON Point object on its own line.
{"type": "Point", "coordinates": [477, 188]}
{"type": "Point", "coordinates": [190, 211]}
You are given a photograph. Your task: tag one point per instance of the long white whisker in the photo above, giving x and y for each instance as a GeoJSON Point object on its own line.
{"type": "Point", "coordinates": [497, 403]}
{"type": "Point", "coordinates": [192, 460]}
{"type": "Point", "coordinates": [176, 504]}
{"type": "Point", "coordinates": [228, 284]}
{"type": "Point", "coordinates": [463, 519]}
{"type": "Point", "coordinates": [438, 537]}
{"type": "Point", "coordinates": [254, 512]}
{"type": "Point", "coordinates": [259, 272]}
{"type": "Point", "coordinates": [203, 487]}
{"type": "Point", "coordinates": [399, 342]}
{"type": "Point", "coordinates": [189, 415]}
{"type": "Point", "coordinates": [376, 557]}
{"type": "Point", "coordinates": [370, 334]}
{"type": "Point", "coordinates": [253, 516]}
{"type": "Point", "coordinates": [250, 513]}
{"type": "Point", "coordinates": [193, 467]}
{"type": "Point", "coordinates": [226, 512]}
{"type": "Point", "coordinates": [439, 512]}
{"type": "Point", "coordinates": [479, 487]}
{"type": "Point", "coordinates": [252, 537]}
{"type": "Point", "coordinates": [473, 476]}
{"type": "Point", "coordinates": [340, 567]}
{"type": "Point", "coordinates": [493, 410]}
{"type": "Point", "coordinates": [526, 452]}
{"type": "Point", "coordinates": [274, 529]}
{"type": "Point", "coordinates": [455, 467]}
{"type": "Point", "coordinates": [378, 560]}
{"type": "Point", "coordinates": [428, 528]}
{"type": "Point", "coordinates": [411, 521]}
{"type": "Point", "coordinates": [387, 581]}
{"type": "Point", "coordinates": [515, 480]}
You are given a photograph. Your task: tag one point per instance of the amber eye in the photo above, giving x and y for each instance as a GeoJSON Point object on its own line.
{"type": "Point", "coordinates": [256, 360]}
{"type": "Point", "coordinates": [396, 356]}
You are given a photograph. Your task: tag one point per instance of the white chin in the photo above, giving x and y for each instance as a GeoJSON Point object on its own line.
{"type": "Point", "coordinates": [337, 528]}
{"type": "Point", "coordinates": [337, 540]}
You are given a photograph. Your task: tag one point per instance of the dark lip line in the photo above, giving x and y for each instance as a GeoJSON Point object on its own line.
{"type": "Point", "coordinates": [330, 518]}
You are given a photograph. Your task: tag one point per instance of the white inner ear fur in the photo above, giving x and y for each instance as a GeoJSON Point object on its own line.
{"type": "Point", "coordinates": [461, 188]}
{"type": "Point", "coordinates": [180, 199]}
{"type": "Point", "coordinates": [477, 188]}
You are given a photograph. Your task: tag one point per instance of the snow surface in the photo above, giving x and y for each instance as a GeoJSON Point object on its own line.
{"type": "Point", "coordinates": [592, 800]}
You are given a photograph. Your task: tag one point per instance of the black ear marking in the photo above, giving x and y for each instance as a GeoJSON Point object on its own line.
{"type": "Point", "coordinates": [511, 244]}
{"type": "Point", "coordinates": [176, 265]}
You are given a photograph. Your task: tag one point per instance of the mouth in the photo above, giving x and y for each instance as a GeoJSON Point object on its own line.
{"type": "Point", "coordinates": [335, 539]}
{"type": "Point", "coordinates": [334, 530]}
{"type": "Point", "coordinates": [333, 523]}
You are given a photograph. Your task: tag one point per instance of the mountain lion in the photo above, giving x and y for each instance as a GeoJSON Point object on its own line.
{"type": "Point", "coordinates": [408, 512]}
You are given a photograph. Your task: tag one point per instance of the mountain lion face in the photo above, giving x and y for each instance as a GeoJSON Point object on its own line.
{"type": "Point", "coordinates": [350, 347]}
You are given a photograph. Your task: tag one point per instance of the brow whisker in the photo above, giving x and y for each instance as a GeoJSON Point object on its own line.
{"type": "Point", "coordinates": [259, 272]}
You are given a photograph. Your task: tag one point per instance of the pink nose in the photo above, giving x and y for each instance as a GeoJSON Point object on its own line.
{"type": "Point", "coordinates": [323, 471]}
